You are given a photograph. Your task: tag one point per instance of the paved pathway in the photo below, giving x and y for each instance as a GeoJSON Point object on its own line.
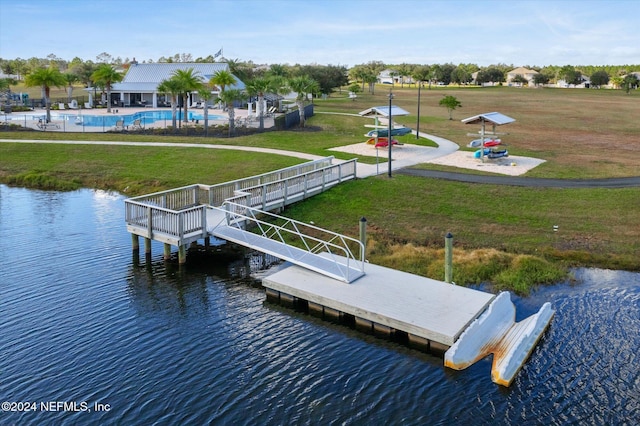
{"type": "Point", "coordinates": [403, 166]}
{"type": "Point", "coordinates": [625, 182]}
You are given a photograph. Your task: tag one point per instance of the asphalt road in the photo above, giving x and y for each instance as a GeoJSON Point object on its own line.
{"type": "Point", "coordinates": [626, 182]}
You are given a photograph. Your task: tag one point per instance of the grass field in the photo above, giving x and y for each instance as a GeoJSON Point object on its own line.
{"type": "Point", "coordinates": [502, 234]}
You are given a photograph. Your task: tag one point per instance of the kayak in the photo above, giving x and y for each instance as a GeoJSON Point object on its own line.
{"type": "Point", "coordinates": [372, 141]}
{"type": "Point", "coordinates": [490, 153]}
{"type": "Point", "coordinates": [498, 154]}
{"type": "Point", "coordinates": [487, 142]}
{"type": "Point", "coordinates": [382, 142]}
{"type": "Point", "coordinates": [385, 132]}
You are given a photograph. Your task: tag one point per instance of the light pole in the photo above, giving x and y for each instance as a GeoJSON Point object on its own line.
{"type": "Point", "coordinates": [389, 138]}
{"type": "Point", "coordinates": [418, 123]}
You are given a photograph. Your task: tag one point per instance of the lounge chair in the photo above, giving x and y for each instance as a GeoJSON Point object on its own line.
{"type": "Point", "coordinates": [73, 104]}
{"type": "Point", "coordinates": [88, 105]}
{"type": "Point", "coordinates": [60, 105]}
{"type": "Point", "coordinates": [136, 125]}
{"type": "Point", "coordinates": [119, 127]}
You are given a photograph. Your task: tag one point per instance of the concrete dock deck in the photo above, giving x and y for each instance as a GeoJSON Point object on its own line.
{"type": "Point", "coordinates": [420, 306]}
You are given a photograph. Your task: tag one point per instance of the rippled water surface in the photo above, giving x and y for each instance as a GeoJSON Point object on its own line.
{"type": "Point", "coordinates": [82, 322]}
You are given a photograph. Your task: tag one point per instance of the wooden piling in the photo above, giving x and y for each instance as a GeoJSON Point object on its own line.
{"type": "Point", "coordinates": [167, 251]}
{"type": "Point", "coordinates": [182, 254]}
{"type": "Point", "coordinates": [147, 246]}
{"type": "Point", "coordinates": [135, 243]}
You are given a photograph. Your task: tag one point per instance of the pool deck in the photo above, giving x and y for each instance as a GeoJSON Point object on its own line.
{"type": "Point", "coordinates": [30, 118]}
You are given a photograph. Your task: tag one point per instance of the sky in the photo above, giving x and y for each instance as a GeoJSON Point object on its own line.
{"type": "Point", "coordinates": [328, 32]}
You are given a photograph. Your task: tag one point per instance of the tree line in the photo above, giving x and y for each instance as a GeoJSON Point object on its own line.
{"type": "Point", "coordinates": [310, 79]}
{"type": "Point", "coordinates": [330, 76]}
{"type": "Point", "coordinates": [464, 73]}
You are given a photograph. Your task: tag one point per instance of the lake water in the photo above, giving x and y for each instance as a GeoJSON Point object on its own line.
{"type": "Point", "coordinates": [92, 336]}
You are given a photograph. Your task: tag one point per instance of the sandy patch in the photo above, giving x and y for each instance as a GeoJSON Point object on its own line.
{"type": "Point", "coordinates": [408, 155]}
{"type": "Point", "coordinates": [512, 165]}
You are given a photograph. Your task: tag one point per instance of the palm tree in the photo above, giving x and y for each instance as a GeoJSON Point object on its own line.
{"type": "Point", "coordinates": [229, 97]}
{"type": "Point", "coordinates": [302, 85]}
{"type": "Point", "coordinates": [172, 87]}
{"type": "Point", "coordinates": [223, 79]}
{"type": "Point", "coordinates": [189, 82]}
{"type": "Point", "coordinates": [45, 78]}
{"type": "Point", "coordinates": [69, 78]}
{"type": "Point", "coordinates": [105, 75]}
{"type": "Point", "coordinates": [258, 87]}
{"type": "Point", "coordinates": [205, 95]}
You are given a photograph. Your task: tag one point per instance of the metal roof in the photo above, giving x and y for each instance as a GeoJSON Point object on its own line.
{"type": "Point", "coordinates": [490, 117]}
{"type": "Point", "coordinates": [384, 111]}
{"type": "Point", "coordinates": [147, 77]}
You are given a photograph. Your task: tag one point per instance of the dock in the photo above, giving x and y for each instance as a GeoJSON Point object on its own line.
{"type": "Point", "coordinates": [430, 311]}
{"type": "Point", "coordinates": [462, 324]}
{"type": "Point", "coordinates": [327, 272]}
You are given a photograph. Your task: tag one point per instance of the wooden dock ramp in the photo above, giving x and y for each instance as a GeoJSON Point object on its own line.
{"type": "Point", "coordinates": [464, 323]}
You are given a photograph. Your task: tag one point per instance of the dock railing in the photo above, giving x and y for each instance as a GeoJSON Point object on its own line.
{"type": "Point", "coordinates": [295, 240]}
{"type": "Point", "coordinates": [178, 215]}
{"type": "Point", "coordinates": [220, 192]}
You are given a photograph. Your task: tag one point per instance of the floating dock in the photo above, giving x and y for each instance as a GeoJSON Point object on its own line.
{"type": "Point", "coordinates": [465, 325]}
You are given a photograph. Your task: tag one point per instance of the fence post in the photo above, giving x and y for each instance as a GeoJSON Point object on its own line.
{"type": "Point", "coordinates": [448, 257]}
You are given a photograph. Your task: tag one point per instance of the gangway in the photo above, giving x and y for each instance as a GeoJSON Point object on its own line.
{"type": "Point", "coordinates": [326, 252]}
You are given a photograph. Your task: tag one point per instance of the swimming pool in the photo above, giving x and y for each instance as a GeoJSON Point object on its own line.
{"type": "Point", "coordinates": [145, 117]}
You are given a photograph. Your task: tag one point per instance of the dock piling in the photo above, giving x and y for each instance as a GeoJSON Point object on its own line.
{"type": "Point", "coordinates": [448, 257]}
{"type": "Point", "coordinates": [363, 231]}
{"type": "Point", "coordinates": [135, 243]}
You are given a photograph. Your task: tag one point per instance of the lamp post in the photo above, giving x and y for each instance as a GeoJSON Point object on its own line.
{"type": "Point", "coordinates": [389, 139]}
{"type": "Point", "coordinates": [418, 123]}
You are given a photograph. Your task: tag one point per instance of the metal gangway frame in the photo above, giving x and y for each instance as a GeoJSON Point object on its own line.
{"type": "Point", "coordinates": [307, 245]}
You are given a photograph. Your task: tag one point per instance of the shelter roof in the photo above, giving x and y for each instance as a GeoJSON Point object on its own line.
{"type": "Point", "coordinates": [522, 70]}
{"type": "Point", "coordinates": [147, 77]}
{"type": "Point", "coordinates": [383, 111]}
{"type": "Point", "coordinates": [490, 117]}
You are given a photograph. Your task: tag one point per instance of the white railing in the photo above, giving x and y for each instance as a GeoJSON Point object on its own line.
{"type": "Point", "coordinates": [223, 191]}
{"type": "Point", "coordinates": [345, 252]}
{"type": "Point", "coordinates": [176, 224]}
{"type": "Point", "coordinates": [180, 212]}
